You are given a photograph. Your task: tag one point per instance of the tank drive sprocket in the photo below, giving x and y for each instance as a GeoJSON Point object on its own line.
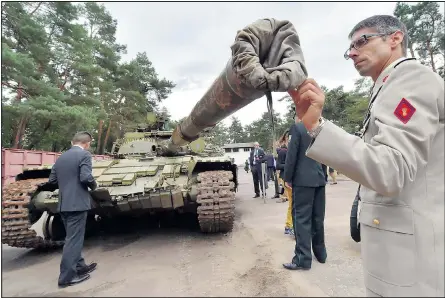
{"type": "Point", "coordinates": [16, 225]}
{"type": "Point", "coordinates": [216, 210]}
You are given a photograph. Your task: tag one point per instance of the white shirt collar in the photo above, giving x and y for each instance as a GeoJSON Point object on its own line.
{"type": "Point", "coordinates": [78, 146]}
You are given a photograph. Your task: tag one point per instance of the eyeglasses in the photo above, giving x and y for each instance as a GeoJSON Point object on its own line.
{"type": "Point", "coordinates": [361, 42]}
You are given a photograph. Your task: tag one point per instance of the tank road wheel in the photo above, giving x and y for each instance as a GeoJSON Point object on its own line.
{"type": "Point", "coordinates": [53, 228]}
{"type": "Point", "coordinates": [16, 221]}
{"type": "Point", "coordinates": [216, 210]}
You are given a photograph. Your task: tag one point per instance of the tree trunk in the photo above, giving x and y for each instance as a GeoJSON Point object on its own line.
{"type": "Point", "coordinates": [19, 133]}
{"type": "Point", "coordinates": [66, 75]}
{"type": "Point", "coordinates": [99, 135]}
{"type": "Point", "coordinates": [411, 49]}
{"type": "Point", "coordinates": [430, 51]}
{"type": "Point", "coordinates": [19, 92]}
{"type": "Point", "coordinates": [106, 138]}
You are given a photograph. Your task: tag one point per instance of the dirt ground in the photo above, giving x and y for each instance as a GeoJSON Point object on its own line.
{"type": "Point", "coordinates": [183, 262]}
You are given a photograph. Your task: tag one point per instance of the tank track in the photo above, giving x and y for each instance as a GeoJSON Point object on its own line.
{"type": "Point", "coordinates": [16, 227]}
{"type": "Point", "coordinates": [216, 211]}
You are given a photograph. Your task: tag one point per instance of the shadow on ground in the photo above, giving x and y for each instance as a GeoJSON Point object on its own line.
{"type": "Point", "coordinates": [114, 234]}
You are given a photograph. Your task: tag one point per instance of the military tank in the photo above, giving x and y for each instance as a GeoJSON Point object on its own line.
{"type": "Point", "coordinates": [140, 178]}
{"type": "Point", "coordinates": [154, 169]}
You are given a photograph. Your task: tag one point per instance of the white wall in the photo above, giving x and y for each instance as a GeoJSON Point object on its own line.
{"type": "Point", "coordinates": [240, 157]}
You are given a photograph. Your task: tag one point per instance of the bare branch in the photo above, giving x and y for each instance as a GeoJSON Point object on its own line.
{"type": "Point", "coordinates": [35, 9]}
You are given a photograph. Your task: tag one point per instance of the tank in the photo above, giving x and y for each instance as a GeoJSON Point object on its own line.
{"type": "Point", "coordinates": [155, 170]}
{"type": "Point", "coordinates": [140, 179]}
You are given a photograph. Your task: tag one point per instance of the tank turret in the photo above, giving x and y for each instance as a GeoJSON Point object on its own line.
{"type": "Point", "coordinates": [150, 139]}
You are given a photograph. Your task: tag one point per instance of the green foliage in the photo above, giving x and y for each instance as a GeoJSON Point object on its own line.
{"type": "Point", "coordinates": [236, 133]}
{"type": "Point", "coordinates": [62, 72]}
{"type": "Point", "coordinates": [425, 25]}
{"type": "Point", "coordinates": [219, 134]}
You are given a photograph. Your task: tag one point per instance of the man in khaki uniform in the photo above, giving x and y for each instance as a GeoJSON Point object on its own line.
{"type": "Point", "coordinates": [399, 162]}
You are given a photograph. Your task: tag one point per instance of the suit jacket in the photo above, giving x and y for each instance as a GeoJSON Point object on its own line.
{"type": "Point", "coordinates": [325, 170]}
{"type": "Point", "coordinates": [72, 172]}
{"type": "Point", "coordinates": [281, 160]}
{"type": "Point", "coordinates": [261, 156]}
{"type": "Point", "coordinates": [400, 165]}
{"type": "Point", "coordinates": [300, 170]}
{"type": "Point", "coordinates": [270, 161]}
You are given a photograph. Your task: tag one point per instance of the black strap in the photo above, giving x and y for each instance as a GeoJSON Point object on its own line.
{"type": "Point", "coordinates": [368, 112]}
{"type": "Point", "coordinates": [407, 59]}
{"type": "Point", "coordinates": [270, 109]}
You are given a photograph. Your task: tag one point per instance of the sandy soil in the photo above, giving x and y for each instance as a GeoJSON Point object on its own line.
{"type": "Point", "coordinates": [180, 261]}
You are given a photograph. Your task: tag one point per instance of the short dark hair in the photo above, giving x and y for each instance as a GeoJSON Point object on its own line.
{"type": "Point", "coordinates": [82, 137]}
{"type": "Point", "coordinates": [384, 24]}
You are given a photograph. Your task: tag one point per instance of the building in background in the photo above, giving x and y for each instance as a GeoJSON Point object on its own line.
{"type": "Point", "coordinates": [239, 152]}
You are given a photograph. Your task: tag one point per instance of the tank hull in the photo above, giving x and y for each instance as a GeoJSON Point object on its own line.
{"type": "Point", "coordinates": [204, 186]}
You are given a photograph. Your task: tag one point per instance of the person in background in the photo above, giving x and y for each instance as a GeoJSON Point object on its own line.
{"type": "Point", "coordinates": [246, 166]}
{"type": "Point", "coordinates": [271, 172]}
{"type": "Point", "coordinates": [281, 161]}
{"type": "Point", "coordinates": [270, 166]}
{"type": "Point", "coordinates": [281, 145]}
{"type": "Point", "coordinates": [398, 160]}
{"type": "Point", "coordinates": [256, 158]}
{"type": "Point", "coordinates": [333, 174]}
{"type": "Point", "coordinates": [307, 180]}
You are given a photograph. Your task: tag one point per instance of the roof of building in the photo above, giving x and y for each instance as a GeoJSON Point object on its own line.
{"type": "Point", "coordinates": [239, 145]}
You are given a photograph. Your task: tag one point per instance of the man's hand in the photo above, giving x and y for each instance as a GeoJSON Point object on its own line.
{"type": "Point", "coordinates": [309, 100]}
{"type": "Point", "coordinates": [287, 185]}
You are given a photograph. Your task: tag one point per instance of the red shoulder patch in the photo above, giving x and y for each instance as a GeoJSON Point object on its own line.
{"type": "Point", "coordinates": [404, 111]}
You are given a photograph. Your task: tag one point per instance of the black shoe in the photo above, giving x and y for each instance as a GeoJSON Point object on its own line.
{"type": "Point", "coordinates": [292, 266]}
{"type": "Point", "coordinates": [320, 253]}
{"type": "Point", "coordinates": [257, 196]}
{"type": "Point", "coordinates": [77, 279]}
{"type": "Point", "coordinates": [87, 269]}
{"type": "Point", "coordinates": [321, 258]}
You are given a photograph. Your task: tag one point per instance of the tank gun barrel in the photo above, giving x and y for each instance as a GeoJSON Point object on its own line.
{"type": "Point", "coordinates": [266, 57]}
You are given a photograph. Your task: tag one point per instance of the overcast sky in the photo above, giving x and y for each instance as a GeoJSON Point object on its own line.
{"type": "Point", "coordinates": [189, 43]}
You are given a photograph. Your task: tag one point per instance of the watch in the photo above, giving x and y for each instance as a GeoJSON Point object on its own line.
{"type": "Point", "coordinates": [314, 133]}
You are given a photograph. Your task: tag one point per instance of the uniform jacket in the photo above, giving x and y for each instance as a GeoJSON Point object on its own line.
{"type": "Point", "coordinates": [400, 165]}
{"type": "Point", "coordinates": [281, 160]}
{"type": "Point", "coordinates": [72, 172]}
{"type": "Point", "coordinates": [300, 170]}
{"type": "Point", "coordinates": [260, 157]}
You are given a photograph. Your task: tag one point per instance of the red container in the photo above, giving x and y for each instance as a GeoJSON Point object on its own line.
{"type": "Point", "coordinates": [13, 161]}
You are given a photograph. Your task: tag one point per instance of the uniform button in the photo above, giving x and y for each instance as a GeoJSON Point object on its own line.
{"type": "Point", "coordinates": [376, 221]}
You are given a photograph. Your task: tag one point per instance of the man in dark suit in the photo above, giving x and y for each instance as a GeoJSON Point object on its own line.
{"type": "Point", "coordinates": [271, 173]}
{"type": "Point", "coordinates": [270, 159]}
{"type": "Point", "coordinates": [255, 159]}
{"type": "Point", "coordinates": [306, 178]}
{"type": "Point", "coordinates": [72, 172]}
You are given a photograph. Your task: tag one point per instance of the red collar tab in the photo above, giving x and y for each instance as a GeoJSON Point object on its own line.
{"type": "Point", "coordinates": [384, 79]}
{"type": "Point", "coordinates": [404, 111]}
